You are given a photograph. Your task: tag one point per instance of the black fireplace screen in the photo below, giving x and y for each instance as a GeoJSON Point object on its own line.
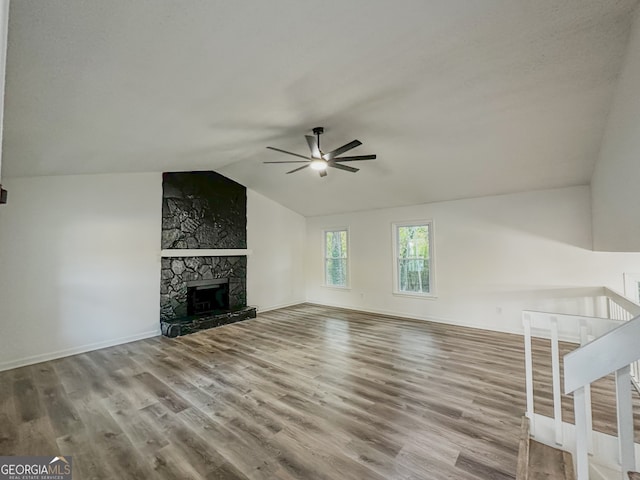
{"type": "Point", "coordinates": [207, 296]}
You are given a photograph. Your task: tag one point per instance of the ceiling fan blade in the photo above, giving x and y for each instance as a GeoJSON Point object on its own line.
{"type": "Point", "coordinates": [291, 161]}
{"type": "Point", "coordinates": [323, 173]}
{"type": "Point", "coordinates": [343, 167]}
{"type": "Point", "coordinates": [298, 169]}
{"type": "Point", "coordinates": [313, 146]}
{"type": "Point", "coordinates": [288, 153]}
{"type": "Point", "coordinates": [341, 150]}
{"type": "Point", "coordinates": [355, 158]}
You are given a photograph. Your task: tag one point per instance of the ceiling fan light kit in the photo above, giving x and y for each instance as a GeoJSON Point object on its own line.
{"type": "Point", "coordinates": [318, 164]}
{"type": "Point", "coordinates": [319, 160]}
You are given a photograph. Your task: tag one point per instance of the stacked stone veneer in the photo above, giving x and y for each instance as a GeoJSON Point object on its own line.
{"type": "Point", "coordinates": [201, 210]}
{"type": "Point", "coordinates": [176, 272]}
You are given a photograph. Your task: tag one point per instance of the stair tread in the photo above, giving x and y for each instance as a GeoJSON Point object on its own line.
{"type": "Point", "coordinates": [548, 463]}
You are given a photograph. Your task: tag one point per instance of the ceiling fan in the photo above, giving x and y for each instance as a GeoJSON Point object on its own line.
{"type": "Point", "coordinates": [319, 160]}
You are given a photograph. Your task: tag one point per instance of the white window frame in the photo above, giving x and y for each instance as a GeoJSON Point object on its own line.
{"type": "Point", "coordinates": [395, 226]}
{"type": "Point", "coordinates": [347, 285]}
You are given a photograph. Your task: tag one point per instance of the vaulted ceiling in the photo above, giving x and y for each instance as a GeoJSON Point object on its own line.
{"type": "Point", "coordinates": [458, 98]}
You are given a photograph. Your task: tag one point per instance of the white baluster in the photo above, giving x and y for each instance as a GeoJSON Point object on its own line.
{"type": "Point", "coordinates": [625, 420]}
{"type": "Point", "coordinates": [555, 366]}
{"type": "Point", "coordinates": [589, 417]}
{"type": "Point", "coordinates": [635, 373]}
{"type": "Point", "coordinates": [585, 338]}
{"type": "Point", "coordinates": [528, 370]}
{"type": "Point", "coordinates": [582, 448]}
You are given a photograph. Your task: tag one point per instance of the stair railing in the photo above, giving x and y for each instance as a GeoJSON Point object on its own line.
{"type": "Point", "coordinates": [556, 327]}
{"type": "Point", "coordinates": [613, 352]}
{"type": "Point", "coordinates": [615, 311]}
{"type": "Point", "coordinates": [620, 307]}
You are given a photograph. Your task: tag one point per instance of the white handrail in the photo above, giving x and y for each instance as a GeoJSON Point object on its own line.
{"type": "Point", "coordinates": [629, 305]}
{"type": "Point", "coordinates": [606, 354]}
{"type": "Point", "coordinates": [569, 323]}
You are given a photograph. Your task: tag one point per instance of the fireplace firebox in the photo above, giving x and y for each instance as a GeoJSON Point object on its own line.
{"type": "Point", "coordinates": [207, 296]}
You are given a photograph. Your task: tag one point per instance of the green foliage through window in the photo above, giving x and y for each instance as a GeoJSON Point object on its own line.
{"type": "Point", "coordinates": [413, 250]}
{"type": "Point", "coordinates": [335, 245]}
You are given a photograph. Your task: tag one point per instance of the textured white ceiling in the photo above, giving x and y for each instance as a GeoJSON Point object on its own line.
{"type": "Point", "coordinates": [457, 98]}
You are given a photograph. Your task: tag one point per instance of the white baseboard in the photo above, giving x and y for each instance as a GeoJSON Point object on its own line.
{"type": "Point", "coordinates": [424, 318]}
{"type": "Point", "coordinates": [282, 305]}
{"type": "Point", "coordinates": [44, 357]}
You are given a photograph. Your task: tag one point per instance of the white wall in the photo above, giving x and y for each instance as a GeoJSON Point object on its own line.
{"type": "Point", "coordinates": [616, 179]}
{"type": "Point", "coordinates": [494, 257]}
{"type": "Point", "coordinates": [79, 264]}
{"type": "Point", "coordinates": [275, 269]}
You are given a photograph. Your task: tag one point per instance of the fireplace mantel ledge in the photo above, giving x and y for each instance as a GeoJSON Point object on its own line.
{"type": "Point", "coordinates": [205, 252]}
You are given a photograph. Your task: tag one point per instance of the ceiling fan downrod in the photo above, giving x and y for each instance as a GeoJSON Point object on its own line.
{"type": "Point", "coordinates": [317, 131]}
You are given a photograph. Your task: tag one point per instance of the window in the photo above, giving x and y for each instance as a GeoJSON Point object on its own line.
{"type": "Point", "coordinates": [413, 255]}
{"type": "Point", "coordinates": [336, 265]}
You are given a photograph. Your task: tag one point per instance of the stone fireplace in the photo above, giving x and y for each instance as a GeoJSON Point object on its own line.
{"type": "Point", "coordinates": [203, 278]}
{"type": "Point", "coordinates": [178, 274]}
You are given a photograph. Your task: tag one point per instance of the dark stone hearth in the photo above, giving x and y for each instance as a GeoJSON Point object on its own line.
{"type": "Point", "coordinates": [184, 326]}
{"type": "Point", "coordinates": [176, 272]}
{"type": "Point", "coordinates": [203, 210]}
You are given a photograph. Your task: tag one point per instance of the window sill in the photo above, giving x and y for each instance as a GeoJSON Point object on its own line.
{"type": "Point", "coordinates": [423, 296]}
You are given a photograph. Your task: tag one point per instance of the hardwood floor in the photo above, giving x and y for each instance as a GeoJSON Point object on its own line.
{"type": "Point", "coordinates": [306, 392]}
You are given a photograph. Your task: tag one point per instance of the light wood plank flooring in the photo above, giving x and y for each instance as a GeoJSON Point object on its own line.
{"type": "Point", "coordinates": [305, 392]}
